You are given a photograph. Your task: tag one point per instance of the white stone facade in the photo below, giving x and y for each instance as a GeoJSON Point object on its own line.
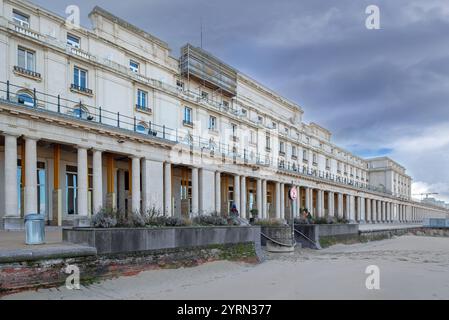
{"type": "Point", "coordinates": [109, 118]}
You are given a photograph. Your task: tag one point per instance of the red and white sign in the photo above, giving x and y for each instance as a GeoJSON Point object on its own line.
{"type": "Point", "coordinates": [293, 193]}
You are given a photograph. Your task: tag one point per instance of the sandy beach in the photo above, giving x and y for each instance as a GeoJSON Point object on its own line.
{"type": "Point", "coordinates": [410, 268]}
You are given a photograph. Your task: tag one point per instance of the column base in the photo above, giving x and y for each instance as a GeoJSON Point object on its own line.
{"type": "Point", "coordinates": [13, 223]}
{"type": "Point", "coordinates": [81, 222]}
{"type": "Point", "coordinates": [362, 222]}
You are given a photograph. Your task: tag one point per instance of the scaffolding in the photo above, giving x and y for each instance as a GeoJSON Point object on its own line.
{"type": "Point", "coordinates": [197, 64]}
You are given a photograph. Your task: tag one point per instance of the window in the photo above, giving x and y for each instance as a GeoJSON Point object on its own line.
{"type": "Point", "coordinates": [293, 151]}
{"type": "Point", "coordinates": [244, 112]}
{"type": "Point", "coordinates": [25, 98]}
{"type": "Point", "coordinates": [282, 147]}
{"type": "Point", "coordinates": [80, 111]}
{"type": "Point", "coordinates": [252, 137]}
{"type": "Point", "coordinates": [267, 142]}
{"type": "Point", "coordinates": [305, 155]}
{"type": "Point", "coordinates": [180, 84]}
{"type": "Point", "coordinates": [273, 125]}
{"type": "Point", "coordinates": [188, 115]}
{"type": "Point", "coordinates": [26, 60]}
{"type": "Point", "coordinates": [21, 19]}
{"type": "Point", "coordinates": [234, 130]}
{"type": "Point", "coordinates": [328, 163]}
{"type": "Point", "coordinates": [142, 100]}
{"type": "Point", "coordinates": [141, 127]}
{"type": "Point", "coordinates": [71, 183]}
{"type": "Point", "coordinates": [80, 78]}
{"type": "Point", "coordinates": [314, 158]}
{"type": "Point", "coordinates": [73, 41]}
{"type": "Point", "coordinates": [133, 66]}
{"type": "Point", "coordinates": [212, 123]}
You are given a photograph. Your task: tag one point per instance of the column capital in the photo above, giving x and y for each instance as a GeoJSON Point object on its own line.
{"type": "Point", "coordinates": [11, 134]}
{"type": "Point", "coordinates": [29, 137]}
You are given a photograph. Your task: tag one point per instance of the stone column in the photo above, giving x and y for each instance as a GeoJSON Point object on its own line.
{"type": "Point", "coordinates": [243, 197]}
{"type": "Point", "coordinates": [308, 202]}
{"type": "Point", "coordinates": [259, 197]}
{"type": "Point", "coordinates": [298, 203]}
{"type": "Point", "coordinates": [374, 211]}
{"type": "Point", "coordinates": [30, 190]}
{"type": "Point", "coordinates": [218, 192]}
{"type": "Point", "coordinates": [264, 200]}
{"type": "Point", "coordinates": [82, 187]}
{"type": "Point", "coordinates": [168, 210]}
{"type": "Point", "coordinates": [359, 209]}
{"type": "Point", "coordinates": [282, 200]}
{"type": "Point", "coordinates": [97, 180]}
{"type": "Point", "coordinates": [384, 213]}
{"type": "Point", "coordinates": [320, 203]}
{"type": "Point", "coordinates": [195, 192]}
{"type": "Point", "coordinates": [368, 210]}
{"type": "Point", "coordinates": [352, 208]}
{"type": "Point", "coordinates": [135, 189]}
{"type": "Point", "coordinates": [237, 199]}
{"type": "Point", "coordinates": [11, 219]}
{"type": "Point", "coordinates": [379, 211]}
{"type": "Point", "coordinates": [278, 200]}
{"type": "Point", "coordinates": [330, 204]}
{"type": "Point", "coordinates": [348, 207]}
{"type": "Point", "coordinates": [340, 205]}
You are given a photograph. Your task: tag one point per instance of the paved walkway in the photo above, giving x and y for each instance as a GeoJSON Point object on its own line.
{"type": "Point", "coordinates": [387, 226]}
{"type": "Point", "coordinates": [16, 239]}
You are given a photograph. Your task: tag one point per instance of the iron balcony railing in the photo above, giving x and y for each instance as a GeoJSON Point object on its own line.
{"type": "Point", "coordinates": [57, 104]}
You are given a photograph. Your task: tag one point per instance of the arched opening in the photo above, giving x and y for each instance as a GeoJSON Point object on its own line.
{"type": "Point", "coordinates": [81, 112]}
{"type": "Point", "coordinates": [25, 97]}
{"type": "Point", "coordinates": [141, 127]}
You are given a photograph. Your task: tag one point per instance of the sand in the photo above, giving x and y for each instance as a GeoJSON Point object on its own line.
{"type": "Point", "coordinates": [410, 268]}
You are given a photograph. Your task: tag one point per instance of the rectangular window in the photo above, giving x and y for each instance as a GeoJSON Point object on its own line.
{"type": "Point", "coordinates": [133, 66]}
{"type": "Point", "coordinates": [73, 41]}
{"type": "Point", "coordinates": [80, 78]}
{"type": "Point", "coordinates": [267, 142]}
{"type": "Point", "coordinates": [187, 115]}
{"type": "Point", "coordinates": [282, 147]}
{"type": "Point", "coordinates": [212, 123]}
{"type": "Point", "coordinates": [234, 129]}
{"type": "Point", "coordinates": [253, 137]}
{"type": "Point", "coordinates": [180, 84]}
{"type": "Point", "coordinates": [328, 163]}
{"type": "Point", "coordinates": [305, 155]}
{"type": "Point", "coordinates": [71, 194]}
{"type": "Point", "coordinates": [142, 99]}
{"type": "Point", "coordinates": [26, 59]}
{"type": "Point", "coordinates": [294, 151]}
{"type": "Point", "coordinates": [315, 158]}
{"type": "Point", "coordinates": [21, 19]}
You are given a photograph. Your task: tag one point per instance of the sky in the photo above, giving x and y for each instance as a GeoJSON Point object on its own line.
{"type": "Point", "coordinates": [380, 92]}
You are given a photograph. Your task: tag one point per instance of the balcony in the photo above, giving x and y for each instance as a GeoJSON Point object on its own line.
{"type": "Point", "coordinates": [79, 89]}
{"type": "Point", "coordinates": [187, 123]}
{"type": "Point", "coordinates": [27, 73]}
{"type": "Point", "coordinates": [144, 109]}
{"type": "Point", "coordinates": [282, 153]}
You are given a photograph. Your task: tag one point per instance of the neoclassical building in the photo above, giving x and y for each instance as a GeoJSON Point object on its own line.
{"type": "Point", "coordinates": [108, 117]}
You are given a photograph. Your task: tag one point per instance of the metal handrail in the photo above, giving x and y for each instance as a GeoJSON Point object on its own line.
{"type": "Point", "coordinates": [317, 245]}
{"type": "Point", "coordinates": [277, 242]}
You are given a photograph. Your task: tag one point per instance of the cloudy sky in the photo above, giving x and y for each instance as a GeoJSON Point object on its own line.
{"type": "Point", "coordinates": [381, 92]}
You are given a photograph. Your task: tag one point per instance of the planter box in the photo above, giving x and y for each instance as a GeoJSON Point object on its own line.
{"type": "Point", "coordinates": [124, 240]}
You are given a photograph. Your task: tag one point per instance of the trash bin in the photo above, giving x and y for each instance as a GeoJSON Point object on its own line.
{"type": "Point", "coordinates": [34, 229]}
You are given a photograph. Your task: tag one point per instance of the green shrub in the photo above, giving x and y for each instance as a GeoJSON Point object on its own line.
{"type": "Point", "coordinates": [104, 218]}
{"type": "Point", "coordinates": [212, 220]}
{"type": "Point", "coordinates": [269, 222]}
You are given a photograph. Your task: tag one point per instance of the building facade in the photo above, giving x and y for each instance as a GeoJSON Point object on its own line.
{"type": "Point", "coordinates": [107, 117]}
